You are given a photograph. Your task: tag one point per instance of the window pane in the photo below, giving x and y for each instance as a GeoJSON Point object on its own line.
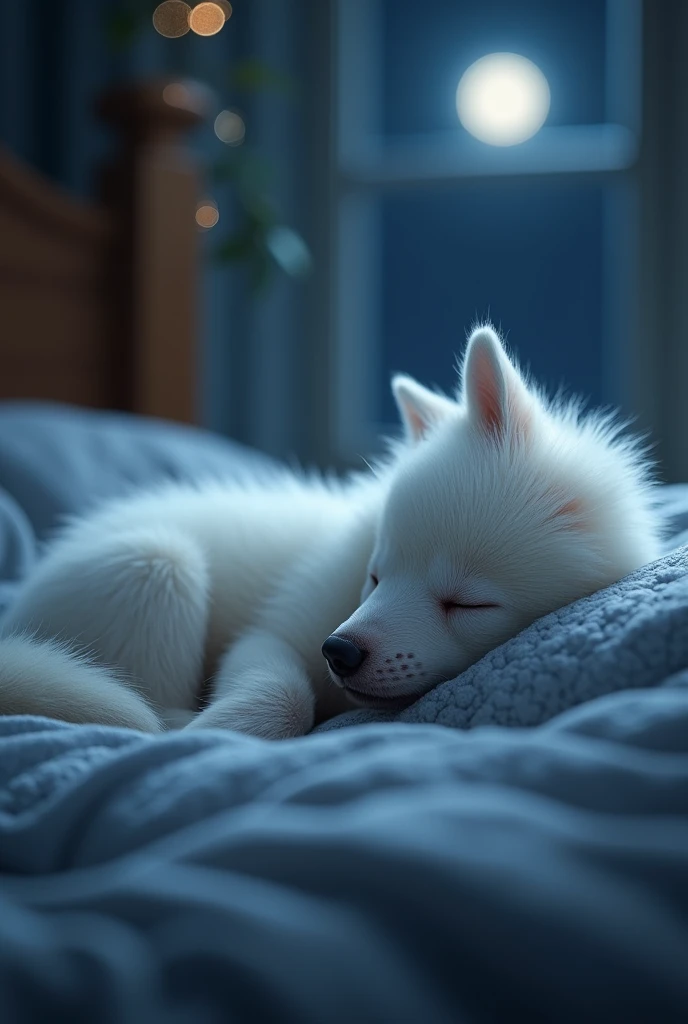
{"type": "Point", "coordinates": [428, 46]}
{"type": "Point", "coordinates": [527, 254]}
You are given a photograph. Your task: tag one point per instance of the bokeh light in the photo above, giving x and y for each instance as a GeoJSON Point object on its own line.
{"type": "Point", "coordinates": [226, 8]}
{"type": "Point", "coordinates": [503, 99]}
{"type": "Point", "coordinates": [207, 214]}
{"type": "Point", "coordinates": [189, 95]}
{"type": "Point", "coordinates": [176, 94]}
{"type": "Point", "coordinates": [171, 19]}
{"type": "Point", "coordinates": [289, 251]}
{"type": "Point", "coordinates": [206, 19]}
{"type": "Point", "coordinates": [230, 127]}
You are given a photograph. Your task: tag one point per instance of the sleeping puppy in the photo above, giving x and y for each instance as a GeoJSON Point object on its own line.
{"type": "Point", "coordinates": [291, 600]}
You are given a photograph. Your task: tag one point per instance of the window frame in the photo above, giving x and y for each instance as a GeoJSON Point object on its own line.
{"type": "Point", "coordinates": [361, 166]}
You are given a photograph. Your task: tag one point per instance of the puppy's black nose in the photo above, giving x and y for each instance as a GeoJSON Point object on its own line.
{"type": "Point", "coordinates": [343, 656]}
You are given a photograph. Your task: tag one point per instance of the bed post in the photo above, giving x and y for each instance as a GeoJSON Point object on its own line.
{"type": "Point", "coordinates": [152, 186]}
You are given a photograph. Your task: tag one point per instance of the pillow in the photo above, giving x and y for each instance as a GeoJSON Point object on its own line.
{"type": "Point", "coordinates": [58, 460]}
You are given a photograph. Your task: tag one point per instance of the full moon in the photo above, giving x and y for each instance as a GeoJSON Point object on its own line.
{"type": "Point", "coordinates": [503, 99]}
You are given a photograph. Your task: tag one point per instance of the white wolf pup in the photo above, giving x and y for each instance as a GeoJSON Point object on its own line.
{"type": "Point", "coordinates": [497, 508]}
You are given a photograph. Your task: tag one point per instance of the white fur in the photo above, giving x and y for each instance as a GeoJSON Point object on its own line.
{"type": "Point", "coordinates": [46, 678]}
{"type": "Point", "coordinates": [496, 498]}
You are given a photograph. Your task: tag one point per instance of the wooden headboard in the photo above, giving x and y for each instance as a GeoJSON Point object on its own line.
{"type": "Point", "coordinates": [99, 302]}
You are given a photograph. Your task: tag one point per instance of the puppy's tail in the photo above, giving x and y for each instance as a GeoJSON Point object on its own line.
{"type": "Point", "coordinates": [43, 677]}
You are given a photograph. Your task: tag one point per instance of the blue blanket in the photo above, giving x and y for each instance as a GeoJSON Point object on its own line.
{"type": "Point", "coordinates": [380, 873]}
{"type": "Point", "coordinates": [391, 871]}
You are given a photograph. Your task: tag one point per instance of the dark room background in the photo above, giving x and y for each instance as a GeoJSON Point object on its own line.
{"type": "Point", "coordinates": [571, 241]}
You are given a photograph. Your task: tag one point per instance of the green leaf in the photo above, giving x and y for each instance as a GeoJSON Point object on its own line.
{"type": "Point", "coordinates": [253, 75]}
{"type": "Point", "coordinates": [235, 249]}
{"type": "Point", "coordinates": [122, 27]}
{"type": "Point", "coordinates": [260, 211]}
{"type": "Point", "coordinates": [246, 169]}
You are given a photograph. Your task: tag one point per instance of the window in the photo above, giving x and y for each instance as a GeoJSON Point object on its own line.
{"type": "Point", "coordinates": [433, 229]}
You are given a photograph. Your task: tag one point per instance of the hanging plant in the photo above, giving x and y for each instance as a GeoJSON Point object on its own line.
{"type": "Point", "coordinates": [262, 242]}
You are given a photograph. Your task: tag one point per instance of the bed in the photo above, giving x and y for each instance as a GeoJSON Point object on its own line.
{"type": "Point", "coordinates": [99, 300]}
{"type": "Point", "coordinates": [512, 847]}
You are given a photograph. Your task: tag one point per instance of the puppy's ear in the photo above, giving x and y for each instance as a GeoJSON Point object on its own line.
{"type": "Point", "coordinates": [494, 393]}
{"type": "Point", "coordinates": [418, 407]}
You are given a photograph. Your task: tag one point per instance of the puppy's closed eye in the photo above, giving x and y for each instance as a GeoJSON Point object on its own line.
{"type": "Point", "coordinates": [449, 606]}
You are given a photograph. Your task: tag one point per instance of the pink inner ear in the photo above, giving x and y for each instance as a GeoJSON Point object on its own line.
{"type": "Point", "coordinates": [488, 394]}
{"type": "Point", "coordinates": [571, 508]}
{"type": "Point", "coordinates": [416, 422]}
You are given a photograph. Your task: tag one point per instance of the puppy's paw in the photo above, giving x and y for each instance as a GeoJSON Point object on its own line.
{"type": "Point", "coordinates": [272, 711]}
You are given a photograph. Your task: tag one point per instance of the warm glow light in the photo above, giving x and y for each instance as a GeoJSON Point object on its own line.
{"type": "Point", "coordinates": [207, 19]}
{"type": "Point", "coordinates": [226, 7]}
{"type": "Point", "coordinates": [175, 94]}
{"type": "Point", "coordinates": [188, 95]}
{"type": "Point", "coordinates": [503, 99]}
{"type": "Point", "coordinates": [207, 214]}
{"type": "Point", "coordinates": [230, 127]}
{"type": "Point", "coordinates": [171, 18]}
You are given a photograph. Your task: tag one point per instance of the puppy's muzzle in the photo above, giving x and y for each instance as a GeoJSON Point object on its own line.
{"type": "Point", "coordinates": [343, 656]}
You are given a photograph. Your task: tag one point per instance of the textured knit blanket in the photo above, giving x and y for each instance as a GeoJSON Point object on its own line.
{"type": "Point", "coordinates": [628, 636]}
{"type": "Point", "coordinates": [393, 872]}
